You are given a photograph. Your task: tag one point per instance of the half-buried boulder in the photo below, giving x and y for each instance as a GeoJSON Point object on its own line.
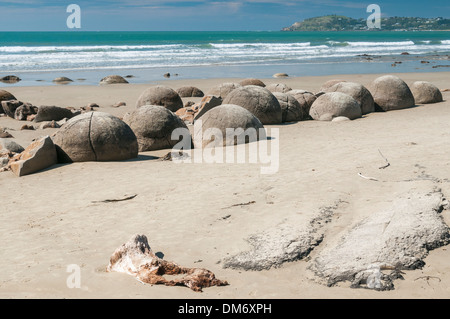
{"type": "Point", "coordinates": [329, 84]}
{"type": "Point", "coordinates": [242, 126]}
{"type": "Point", "coordinates": [223, 89]}
{"type": "Point", "coordinates": [335, 104]}
{"type": "Point", "coordinates": [52, 113]}
{"type": "Point", "coordinates": [113, 79]}
{"type": "Point", "coordinates": [37, 156]}
{"type": "Point", "coordinates": [292, 111]}
{"type": "Point", "coordinates": [95, 136]}
{"type": "Point", "coordinates": [252, 81]}
{"type": "Point", "coordinates": [10, 146]}
{"type": "Point", "coordinates": [161, 95]}
{"type": "Point", "coordinates": [259, 101]}
{"type": "Point", "coordinates": [391, 93]}
{"type": "Point", "coordinates": [5, 96]}
{"type": "Point", "coordinates": [153, 126]}
{"type": "Point", "coordinates": [190, 91]}
{"type": "Point", "coordinates": [23, 112]}
{"type": "Point", "coordinates": [358, 92]}
{"type": "Point", "coordinates": [10, 107]}
{"type": "Point", "coordinates": [426, 92]}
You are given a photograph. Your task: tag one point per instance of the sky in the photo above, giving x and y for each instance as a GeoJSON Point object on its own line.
{"type": "Point", "coordinates": [196, 15]}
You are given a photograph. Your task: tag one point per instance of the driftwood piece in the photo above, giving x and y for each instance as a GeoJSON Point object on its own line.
{"type": "Point", "coordinates": [137, 259]}
{"type": "Point", "coordinates": [116, 200]}
{"type": "Point", "coordinates": [385, 159]}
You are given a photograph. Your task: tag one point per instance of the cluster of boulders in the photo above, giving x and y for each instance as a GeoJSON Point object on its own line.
{"type": "Point", "coordinates": [96, 136]}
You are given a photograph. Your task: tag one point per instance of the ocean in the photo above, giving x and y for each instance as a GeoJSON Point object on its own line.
{"type": "Point", "coordinates": [36, 57]}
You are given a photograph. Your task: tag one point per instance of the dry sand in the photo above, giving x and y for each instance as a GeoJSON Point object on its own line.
{"type": "Point", "coordinates": [51, 219]}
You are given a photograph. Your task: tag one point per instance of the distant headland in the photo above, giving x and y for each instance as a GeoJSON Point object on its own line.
{"type": "Point", "coordinates": [343, 23]}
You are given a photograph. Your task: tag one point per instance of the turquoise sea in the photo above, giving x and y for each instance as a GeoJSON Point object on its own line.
{"type": "Point", "coordinates": [36, 57]}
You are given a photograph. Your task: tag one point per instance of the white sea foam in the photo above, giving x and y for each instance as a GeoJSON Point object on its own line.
{"type": "Point", "coordinates": [20, 58]}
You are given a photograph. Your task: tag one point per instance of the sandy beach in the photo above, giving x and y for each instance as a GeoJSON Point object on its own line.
{"type": "Point", "coordinates": [197, 215]}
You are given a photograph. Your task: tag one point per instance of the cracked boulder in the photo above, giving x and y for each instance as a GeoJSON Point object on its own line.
{"type": "Point", "coordinates": [153, 126]}
{"type": "Point", "coordinates": [278, 87]}
{"type": "Point", "coordinates": [259, 101]}
{"type": "Point", "coordinates": [305, 99]}
{"type": "Point", "coordinates": [373, 253]}
{"type": "Point", "coordinates": [222, 90]}
{"type": "Point", "coordinates": [137, 259]}
{"type": "Point", "coordinates": [292, 111]}
{"type": "Point", "coordinates": [358, 92]}
{"type": "Point", "coordinates": [5, 96]}
{"type": "Point", "coordinates": [37, 156]}
{"type": "Point", "coordinates": [95, 136]}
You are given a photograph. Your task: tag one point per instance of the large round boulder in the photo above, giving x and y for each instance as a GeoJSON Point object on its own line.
{"type": "Point", "coordinates": [335, 104]}
{"type": "Point", "coordinates": [305, 99]}
{"type": "Point", "coordinates": [426, 92]}
{"type": "Point", "coordinates": [259, 101]}
{"type": "Point", "coordinates": [278, 87]}
{"type": "Point", "coordinates": [113, 79]}
{"type": "Point", "coordinates": [252, 81]}
{"type": "Point", "coordinates": [95, 136]}
{"type": "Point", "coordinates": [226, 125]}
{"type": "Point", "coordinates": [161, 95]}
{"type": "Point", "coordinates": [391, 93]}
{"type": "Point", "coordinates": [358, 92]}
{"type": "Point", "coordinates": [291, 109]}
{"type": "Point", "coordinates": [153, 126]}
{"type": "Point", "coordinates": [223, 89]}
{"type": "Point", "coordinates": [190, 91]}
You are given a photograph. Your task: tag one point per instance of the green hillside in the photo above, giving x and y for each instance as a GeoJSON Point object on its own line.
{"type": "Point", "coordinates": [342, 23]}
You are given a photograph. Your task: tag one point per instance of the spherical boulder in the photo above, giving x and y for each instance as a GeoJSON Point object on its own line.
{"type": "Point", "coordinates": [426, 92]}
{"type": "Point", "coordinates": [325, 86]}
{"type": "Point", "coordinates": [305, 99]}
{"type": "Point", "coordinates": [278, 87]}
{"type": "Point", "coordinates": [190, 91]}
{"type": "Point", "coordinates": [252, 81]}
{"type": "Point", "coordinates": [335, 104]}
{"type": "Point", "coordinates": [95, 136]}
{"type": "Point", "coordinates": [259, 101]}
{"type": "Point", "coordinates": [226, 125]}
{"type": "Point", "coordinates": [391, 93]}
{"type": "Point", "coordinates": [161, 95]}
{"type": "Point", "coordinates": [358, 92]}
{"type": "Point", "coordinates": [153, 126]}
{"type": "Point", "coordinates": [223, 89]}
{"type": "Point", "coordinates": [292, 111]}
{"type": "Point", "coordinates": [113, 79]}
